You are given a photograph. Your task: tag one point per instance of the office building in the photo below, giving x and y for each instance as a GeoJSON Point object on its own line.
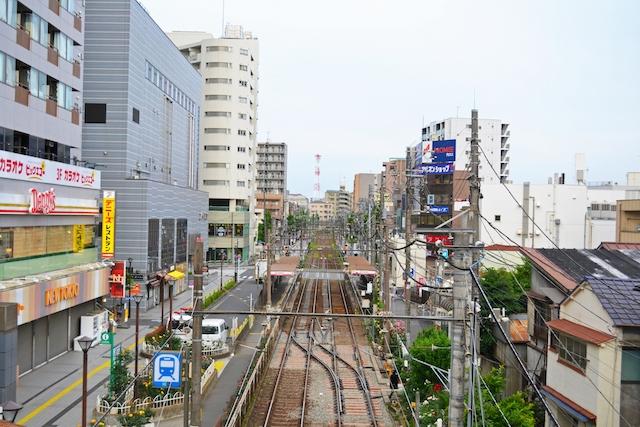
{"type": "Point", "coordinates": [142, 114]}
{"type": "Point", "coordinates": [628, 221]}
{"type": "Point", "coordinates": [49, 269]}
{"type": "Point", "coordinates": [229, 68]}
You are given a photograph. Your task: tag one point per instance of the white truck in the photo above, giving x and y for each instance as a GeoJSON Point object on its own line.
{"type": "Point", "coordinates": [260, 270]}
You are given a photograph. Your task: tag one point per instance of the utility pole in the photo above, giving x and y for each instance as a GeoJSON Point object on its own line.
{"type": "Point", "coordinates": [474, 190]}
{"type": "Point", "coordinates": [385, 258]}
{"type": "Point", "coordinates": [196, 350]}
{"type": "Point", "coordinates": [407, 237]}
{"type": "Point", "coordinates": [267, 237]}
{"type": "Point", "coordinates": [461, 283]}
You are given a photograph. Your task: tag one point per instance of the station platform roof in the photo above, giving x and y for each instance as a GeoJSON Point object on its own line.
{"type": "Point", "coordinates": [285, 266]}
{"type": "Point", "coordinates": [360, 266]}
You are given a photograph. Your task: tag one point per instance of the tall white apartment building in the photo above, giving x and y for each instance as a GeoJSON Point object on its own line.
{"type": "Point", "coordinates": [494, 140]}
{"type": "Point", "coordinates": [229, 67]}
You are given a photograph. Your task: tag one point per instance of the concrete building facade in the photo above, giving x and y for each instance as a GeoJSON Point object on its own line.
{"type": "Point", "coordinates": [494, 137]}
{"type": "Point", "coordinates": [142, 114]}
{"type": "Point", "coordinates": [628, 221]}
{"type": "Point", "coordinates": [271, 180]}
{"type": "Point", "coordinates": [229, 68]}
{"type": "Point", "coordinates": [363, 185]}
{"type": "Point", "coordinates": [49, 271]}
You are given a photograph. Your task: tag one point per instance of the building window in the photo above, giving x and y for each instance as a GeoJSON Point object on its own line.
{"type": "Point", "coordinates": [241, 166]}
{"type": "Point", "coordinates": [242, 99]}
{"type": "Point", "coordinates": [218, 80]}
{"type": "Point", "coordinates": [217, 97]}
{"type": "Point", "coordinates": [216, 165]}
{"type": "Point", "coordinates": [167, 242]}
{"type": "Point", "coordinates": [242, 116]}
{"type": "Point", "coordinates": [217, 114]}
{"type": "Point", "coordinates": [216, 182]}
{"type": "Point", "coordinates": [218, 64]}
{"type": "Point", "coordinates": [218, 48]}
{"type": "Point", "coordinates": [570, 350]}
{"type": "Point", "coordinates": [217, 148]}
{"type": "Point", "coordinates": [217, 131]}
{"type": "Point", "coordinates": [496, 217]}
{"type": "Point", "coordinates": [6, 242]}
{"type": "Point", "coordinates": [242, 149]}
{"type": "Point", "coordinates": [243, 83]}
{"type": "Point", "coordinates": [240, 183]}
{"type": "Point", "coordinates": [542, 314]}
{"type": "Point", "coordinates": [242, 132]}
{"type": "Point", "coordinates": [95, 113]}
{"type": "Point", "coordinates": [181, 240]}
{"type": "Point", "coordinates": [243, 68]}
{"type": "Point", "coordinates": [244, 52]}
{"type": "Point", "coordinates": [630, 365]}
{"type": "Point", "coordinates": [136, 115]}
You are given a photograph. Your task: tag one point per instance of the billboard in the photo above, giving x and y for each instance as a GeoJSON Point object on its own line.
{"type": "Point", "coordinates": [26, 168]}
{"type": "Point", "coordinates": [437, 169]}
{"type": "Point", "coordinates": [118, 279]}
{"type": "Point", "coordinates": [443, 151]}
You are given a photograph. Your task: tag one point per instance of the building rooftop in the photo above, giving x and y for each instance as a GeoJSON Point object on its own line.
{"type": "Point", "coordinates": [569, 267]}
{"type": "Point", "coordinates": [619, 297]}
{"type": "Point", "coordinates": [583, 333]}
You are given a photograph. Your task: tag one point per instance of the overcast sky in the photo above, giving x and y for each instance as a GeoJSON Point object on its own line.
{"type": "Point", "coordinates": [354, 80]}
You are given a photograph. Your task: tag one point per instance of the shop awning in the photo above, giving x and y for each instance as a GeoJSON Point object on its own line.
{"type": "Point", "coordinates": [175, 275]}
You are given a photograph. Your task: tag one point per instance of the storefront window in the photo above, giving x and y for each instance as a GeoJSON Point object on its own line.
{"type": "Point", "coordinates": [181, 240]}
{"type": "Point", "coordinates": [6, 243]}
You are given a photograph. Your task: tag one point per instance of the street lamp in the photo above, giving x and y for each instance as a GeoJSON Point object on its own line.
{"type": "Point", "coordinates": [11, 410]}
{"type": "Point", "coordinates": [138, 299]}
{"type": "Point", "coordinates": [85, 345]}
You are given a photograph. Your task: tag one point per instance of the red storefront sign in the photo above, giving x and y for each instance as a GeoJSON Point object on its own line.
{"type": "Point", "coordinates": [118, 279]}
{"type": "Point", "coordinates": [444, 238]}
{"type": "Point", "coordinates": [42, 203]}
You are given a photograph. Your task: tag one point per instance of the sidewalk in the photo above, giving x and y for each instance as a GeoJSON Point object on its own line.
{"type": "Point", "coordinates": [51, 395]}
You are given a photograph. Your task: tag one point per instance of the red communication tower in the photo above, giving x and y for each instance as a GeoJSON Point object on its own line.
{"type": "Point", "coordinates": [316, 186]}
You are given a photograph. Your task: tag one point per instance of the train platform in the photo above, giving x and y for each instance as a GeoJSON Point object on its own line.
{"type": "Point", "coordinates": [359, 266]}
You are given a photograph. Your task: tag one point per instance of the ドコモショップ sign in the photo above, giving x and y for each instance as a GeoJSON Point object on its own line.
{"type": "Point", "coordinates": [42, 202]}
{"type": "Point", "coordinates": [26, 168]}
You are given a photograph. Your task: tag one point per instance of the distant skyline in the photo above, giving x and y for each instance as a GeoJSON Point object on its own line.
{"type": "Point", "coordinates": [354, 81]}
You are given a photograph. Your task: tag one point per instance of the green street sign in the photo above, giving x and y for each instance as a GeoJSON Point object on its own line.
{"type": "Point", "coordinates": [106, 338]}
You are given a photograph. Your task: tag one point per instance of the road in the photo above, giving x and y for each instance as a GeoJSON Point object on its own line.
{"type": "Point", "coordinates": [51, 394]}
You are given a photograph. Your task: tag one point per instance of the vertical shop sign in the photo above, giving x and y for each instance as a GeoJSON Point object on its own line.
{"type": "Point", "coordinates": [108, 224]}
{"type": "Point", "coordinates": [78, 237]}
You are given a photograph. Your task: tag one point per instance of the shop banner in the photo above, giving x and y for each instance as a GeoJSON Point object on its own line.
{"type": "Point", "coordinates": [118, 279]}
{"type": "Point", "coordinates": [40, 299]}
{"type": "Point", "coordinates": [78, 238]}
{"type": "Point", "coordinates": [438, 169]}
{"type": "Point", "coordinates": [27, 168]}
{"type": "Point", "coordinates": [444, 238]}
{"type": "Point", "coordinates": [108, 224]}
{"type": "Point", "coordinates": [439, 209]}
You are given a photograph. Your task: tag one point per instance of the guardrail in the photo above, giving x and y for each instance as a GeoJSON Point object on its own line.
{"type": "Point", "coordinates": [245, 397]}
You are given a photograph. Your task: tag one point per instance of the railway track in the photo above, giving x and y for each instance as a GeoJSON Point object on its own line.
{"type": "Point", "coordinates": [318, 364]}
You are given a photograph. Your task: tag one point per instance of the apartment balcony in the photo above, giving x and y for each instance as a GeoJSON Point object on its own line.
{"type": "Point", "coordinates": [52, 55]}
{"type": "Point", "coordinates": [22, 95]}
{"type": "Point", "coordinates": [75, 116]}
{"type": "Point", "coordinates": [23, 38]}
{"type": "Point", "coordinates": [77, 22]}
{"type": "Point", "coordinates": [505, 159]}
{"type": "Point", "coordinates": [506, 134]}
{"type": "Point", "coordinates": [54, 5]}
{"type": "Point", "coordinates": [76, 69]}
{"type": "Point", "coordinates": [52, 107]}
{"type": "Point", "coordinates": [505, 147]}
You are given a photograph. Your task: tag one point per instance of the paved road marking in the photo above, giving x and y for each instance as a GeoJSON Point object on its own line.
{"type": "Point", "coordinates": [67, 390]}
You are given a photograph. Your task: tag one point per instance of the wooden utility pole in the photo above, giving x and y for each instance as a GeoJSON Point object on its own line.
{"type": "Point", "coordinates": [385, 250]}
{"type": "Point", "coordinates": [196, 353]}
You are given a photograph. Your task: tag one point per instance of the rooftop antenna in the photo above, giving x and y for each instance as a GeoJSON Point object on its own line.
{"type": "Point", "coordinates": [474, 98]}
{"type": "Point", "coordinates": [316, 186]}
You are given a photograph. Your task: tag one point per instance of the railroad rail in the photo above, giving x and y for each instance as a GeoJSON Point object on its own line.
{"type": "Point", "coordinates": [317, 361]}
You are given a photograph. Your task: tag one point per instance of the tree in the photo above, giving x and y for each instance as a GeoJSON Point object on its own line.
{"type": "Point", "coordinates": [120, 377]}
{"type": "Point", "coordinates": [515, 408]}
{"type": "Point", "coordinates": [267, 220]}
{"type": "Point", "coordinates": [504, 291]}
{"type": "Point", "coordinates": [421, 377]}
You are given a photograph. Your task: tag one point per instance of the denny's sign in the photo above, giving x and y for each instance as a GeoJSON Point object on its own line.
{"type": "Point", "coordinates": [62, 293]}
